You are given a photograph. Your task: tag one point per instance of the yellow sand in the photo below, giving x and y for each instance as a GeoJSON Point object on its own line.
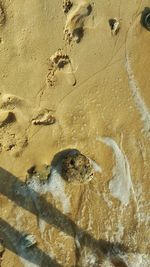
{"type": "Point", "coordinates": [100, 89]}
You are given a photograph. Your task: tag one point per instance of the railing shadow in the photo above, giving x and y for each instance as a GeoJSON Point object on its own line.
{"type": "Point", "coordinates": [10, 187]}
{"type": "Point", "coordinates": [12, 239]}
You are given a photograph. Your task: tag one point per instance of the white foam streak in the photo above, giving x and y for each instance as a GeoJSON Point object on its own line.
{"type": "Point", "coordinates": [140, 104]}
{"type": "Point", "coordinates": [55, 185]}
{"type": "Point", "coordinates": [120, 186]}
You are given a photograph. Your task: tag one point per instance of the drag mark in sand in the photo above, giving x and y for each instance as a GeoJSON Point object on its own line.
{"type": "Point", "coordinates": [142, 108]}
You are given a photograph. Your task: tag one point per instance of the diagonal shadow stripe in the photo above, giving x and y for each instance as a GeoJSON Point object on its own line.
{"type": "Point", "coordinates": [34, 255]}
{"type": "Point", "coordinates": [51, 215]}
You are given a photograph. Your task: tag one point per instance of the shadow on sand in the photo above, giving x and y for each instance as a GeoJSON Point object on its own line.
{"type": "Point", "coordinates": [9, 187]}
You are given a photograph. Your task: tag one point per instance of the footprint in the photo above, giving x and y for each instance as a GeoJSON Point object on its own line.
{"type": "Point", "coordinates": [6, 117]}
{"type": "Point", "coordinates": [12, 135]}
{"type": "Point", "coordinates": [45, 117]}
{"type": "Point", "coordinates": [12, 141]}
{"type": "Point", "coordinates": [67, 5]}
{"type": "Point", "coordinates": [58, 62]}
{"type": "Point", "coordinates": [75, 25]}
{"type": "Point", "coordinates": [2, 16]}
{"type": "Point", "coordinates": [13, 145]}
{"type": "Point", "coordinates": [9, 101]}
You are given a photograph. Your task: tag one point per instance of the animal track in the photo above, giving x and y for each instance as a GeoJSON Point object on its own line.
{"type": "Point", "coordinates": [44, 118]}
{"type": "Point", "coordinates": [67, 5]}
{"type": "Point", "coordinates": [58, 62]}
{"type": "Point", "coordinates": [74, 28]}
{"type": "Point", "coordinates": [2, 16]}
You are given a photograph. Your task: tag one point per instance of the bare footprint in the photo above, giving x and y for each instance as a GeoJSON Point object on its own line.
{"type": "Point", "coordinates": [13, 143]}
{"type": "Point", "coordinates": [58, 62]}
{"type": "Point", "coordinates": [2, 16]}
{"type": "Point", "coordinates": [13, 136]}
{"type": "Point", "coordinates": [75, 25]}
{"type": "Point", "coordinates": [45, 117]}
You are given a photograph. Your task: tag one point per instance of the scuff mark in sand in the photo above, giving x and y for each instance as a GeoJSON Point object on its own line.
{"type": "Point", "coordinates": [120, 186]}
{"type": "Point", "coordinates": [141, 106]}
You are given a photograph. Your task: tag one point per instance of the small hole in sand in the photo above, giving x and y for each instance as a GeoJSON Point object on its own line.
{"type": "Point", "coordinates": [71, 162]}
{"type": "Point", "coordinates": [89, 9]}
{"type": "Point", "coordinates": [62, 63]}
{"type": "Point", "coordinates": [114, 26]}
{"type": "Point", "coordinates": [112, 23]}
{"type": "Point", "coordinates": [78, 34]}
{"type": "Point", "coordinates": [145, 18]}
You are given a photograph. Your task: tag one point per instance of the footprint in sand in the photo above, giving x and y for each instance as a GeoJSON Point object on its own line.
{"type": "Point", "coordinates": [12, 137]}
{"type": "Point", "coordinates": [2, 16]}
{"type": "Point", "coordinates": [10, 141]}
{"type": "Point", "coordinates": [7, 104]}
{"type": "Point", "coordinates": [12, 132]}
{"type": "Point", "coordinates": [75, 24]}
{"type": "Point", "coordinates": [60, 62]}
{"type": "Point", "coordinates": [44, 117]}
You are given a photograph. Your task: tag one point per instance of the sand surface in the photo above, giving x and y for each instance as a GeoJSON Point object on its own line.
{"type": "Point", "coordinates": [74, 75]}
